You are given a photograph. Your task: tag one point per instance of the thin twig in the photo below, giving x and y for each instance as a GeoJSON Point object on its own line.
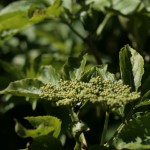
{"type": "Point", "coordinates": [88, 41]}
{"type": "Point", "coordinates": [76, 32]}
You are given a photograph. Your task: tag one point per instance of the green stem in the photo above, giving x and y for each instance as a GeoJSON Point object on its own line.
{"type": "Point", "coordinates": [105, 128]}
{"type": "Point", "coordinates": [81, 141]}
{"type": "Point", "coordinates": [88, 41]}
{"type": "Point", "coordinates": [73, 116]}
{"type": "Point", "coordinates": [74, 30]}
{"type": "Point", "coordinates": [103, 24]}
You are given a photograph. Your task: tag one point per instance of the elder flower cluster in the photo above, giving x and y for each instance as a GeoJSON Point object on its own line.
{"type": "Point", "coordinates": [110, 95]}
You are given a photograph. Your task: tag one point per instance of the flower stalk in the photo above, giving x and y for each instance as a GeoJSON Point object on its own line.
{"type": "Point", "coordinates": [80, 138]}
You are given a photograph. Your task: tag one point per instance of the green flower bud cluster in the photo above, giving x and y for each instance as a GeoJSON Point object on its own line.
{"type": "Point", "coordinates": [110, 95]}
{"type": "Point", "coordinates": [65, 92]}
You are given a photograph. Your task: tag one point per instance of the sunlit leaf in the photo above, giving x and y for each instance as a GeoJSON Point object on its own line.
{"type": "Point", "coordinates": [104, 73]}
{"type": "Point", "coordinates": [131, 67]}
{"type": "Point", "coordinates": [101, 71]}
{"type": "Point", "coordinates": [74, 67]}
{"type": "Point", "coordinates": [77, 128]}
{"type": "Point", "coordinates": [26, 87]}
{"type": "Point", "coordinates": [99, 5]}
{"type": "Point", "coordinates": [48, 74]}
{"type": "Point", "coordinates": [18, 15]}
{"type": "Point", "coordinates": [124, 7]}
{"type": "Point", "coordinates": [52, 11]}
{"type": "Point", "coordinates": [43, 125]}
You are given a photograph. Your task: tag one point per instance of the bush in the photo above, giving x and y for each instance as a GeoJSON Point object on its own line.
{"type": "Point", "coordinates": [74, 74]}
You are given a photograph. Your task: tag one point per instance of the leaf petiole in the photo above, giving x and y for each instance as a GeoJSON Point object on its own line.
{"type": "Point", "coordinates": [105, 128]}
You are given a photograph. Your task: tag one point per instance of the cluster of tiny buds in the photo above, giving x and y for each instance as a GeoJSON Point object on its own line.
{"type": "Point", "coordinates": [110, 94]}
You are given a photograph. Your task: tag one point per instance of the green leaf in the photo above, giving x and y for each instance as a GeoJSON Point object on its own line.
{"type": "Point", "coordinates": [125, 7]}
{"type": "Point", "coordinates": [79, 72]}
{"type": "Point", "coordinates": [101, 71]}
{"type": "Point", "coordinates": [133, 145]}
{"type": "Point", "coordinates": [74, 68]}
{"type": "Point", "coordinates": [147, 4]}
{"type": "Point", "coordinates": [144, 103]}
{"type": "Point", "coordinates": [52, 11]}
{"type": "Point", "coordinates": [45, 143]}
{"type": "Point", "coordinates": [131, 67]}
{"type": "Point", "coordinates": [43, 125]}
{"type": "Point", "coordinates": [146, 96]}
{"type": "Point", "coordinates": [134, 134]}
{"type": "Point", "coordinates": [16, 16]}
{"type": "Point", "coordinates": [48, 74]}
{"type": "Point", "coordinates": [99, 5]}
{"type": "Point", "coordinates": [26, 87]}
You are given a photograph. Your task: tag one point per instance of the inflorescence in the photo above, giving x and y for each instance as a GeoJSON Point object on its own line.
{"type": "Point", "coordinates": [111, 95]}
